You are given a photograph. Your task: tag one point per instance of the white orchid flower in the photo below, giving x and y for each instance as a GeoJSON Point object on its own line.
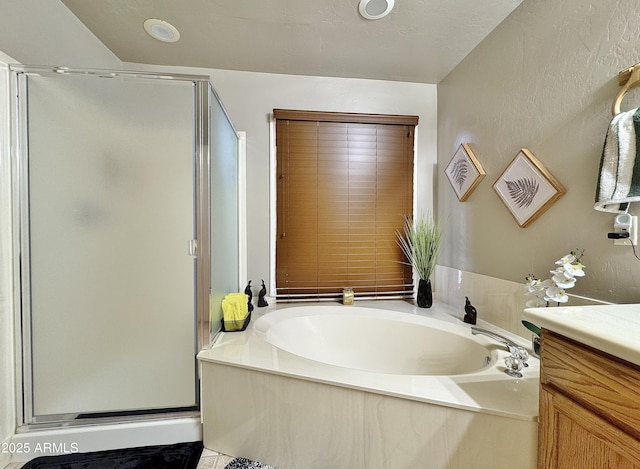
{"type": "Point", "coordinates": [533, 288]}
{"type": "Point", "coordinates": [562, 281]}
{"type": "Point", "coordinates": [562, 278]}
{"type": "Point", "coordinates": [557, 295]}
{"type": "Point", "coordinates": [568, 259]}
{"type": "Point", "coordinates": [547, 283]}
{"type": "Point", "coordinates": [575, 269]}
{"type": "Point", "coordinates": [541, 292]}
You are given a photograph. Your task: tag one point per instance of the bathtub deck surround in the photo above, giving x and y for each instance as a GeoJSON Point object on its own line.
{"type": "Point", "coordinates": [290, 411]}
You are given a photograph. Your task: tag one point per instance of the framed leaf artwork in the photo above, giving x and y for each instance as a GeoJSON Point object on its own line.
{"type": "Point", "coordinates": [527, 189]}
{"type": "Point", "coordinates": [464, 172]}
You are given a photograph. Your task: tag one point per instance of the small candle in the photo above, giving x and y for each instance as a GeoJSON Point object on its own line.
{"type": "Point", "coordinates": [347, 296]}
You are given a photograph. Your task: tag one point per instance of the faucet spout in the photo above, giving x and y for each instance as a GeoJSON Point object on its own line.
{"type": "Point", "coordinates": [512, 346]}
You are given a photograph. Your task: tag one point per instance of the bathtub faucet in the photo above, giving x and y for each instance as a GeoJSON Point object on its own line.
{"type": "Point", "coordinates": [514, 349]}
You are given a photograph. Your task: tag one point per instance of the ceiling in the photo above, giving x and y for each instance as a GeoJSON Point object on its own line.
{"type": "Point", "coordinates": [419, 41]}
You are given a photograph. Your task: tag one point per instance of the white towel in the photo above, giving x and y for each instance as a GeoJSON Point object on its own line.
{"type": "Point", "coordinates": [619, 179]}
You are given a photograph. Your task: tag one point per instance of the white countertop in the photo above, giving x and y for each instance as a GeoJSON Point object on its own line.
{"type": "Point", "coordinates": [614, 329]}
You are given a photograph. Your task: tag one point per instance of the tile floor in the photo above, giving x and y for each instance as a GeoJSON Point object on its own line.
{"type": "Point", "coordinates": [212, 460]}
{"type": "Point", "coordinates": [208, 460]}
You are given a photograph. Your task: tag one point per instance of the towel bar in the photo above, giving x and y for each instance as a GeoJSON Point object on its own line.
{"type": "Point", "coordinates": [627, 79]}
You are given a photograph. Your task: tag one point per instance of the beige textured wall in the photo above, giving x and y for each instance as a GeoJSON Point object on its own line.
{"type": "Point", "coordinates": [543, 80]}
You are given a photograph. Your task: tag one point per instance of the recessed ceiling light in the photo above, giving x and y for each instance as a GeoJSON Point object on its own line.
{"type": "Point", "coordinates": [161, 30]}
{"type": "Point", "coordinates": [375, 9]}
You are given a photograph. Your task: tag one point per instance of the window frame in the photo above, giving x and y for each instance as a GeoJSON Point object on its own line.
{"type": "Point", "coordinates": [326, 117]}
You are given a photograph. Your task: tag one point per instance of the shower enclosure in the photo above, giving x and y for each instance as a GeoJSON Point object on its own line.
{"type": "Point", "coordinates": [113, 177]}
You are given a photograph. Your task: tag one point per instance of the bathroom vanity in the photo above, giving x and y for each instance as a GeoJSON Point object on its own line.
{"type": "Point", "coordinates": [589, 386]}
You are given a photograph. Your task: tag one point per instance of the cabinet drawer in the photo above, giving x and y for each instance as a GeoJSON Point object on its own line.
{"type": "Point", "coordinates": [605, 385]}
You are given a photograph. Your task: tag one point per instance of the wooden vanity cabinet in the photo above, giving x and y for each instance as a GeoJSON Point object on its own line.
{"type": "Point", "coordinates": [589, 408]}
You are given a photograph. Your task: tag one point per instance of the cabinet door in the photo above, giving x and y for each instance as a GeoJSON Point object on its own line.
{"type": "Point", "coordinates": [572, 437]}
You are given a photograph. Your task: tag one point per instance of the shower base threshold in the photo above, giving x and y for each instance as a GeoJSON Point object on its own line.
{"type": "Point", "coordinates": [67, 438]}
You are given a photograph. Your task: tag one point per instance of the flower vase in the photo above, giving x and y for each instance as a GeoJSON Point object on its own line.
{"type": "Point", "coordinates": [425, 295]}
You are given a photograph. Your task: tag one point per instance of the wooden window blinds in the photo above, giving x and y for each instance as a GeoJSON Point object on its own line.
{"type": "Point", "coordinates": [344, 187]}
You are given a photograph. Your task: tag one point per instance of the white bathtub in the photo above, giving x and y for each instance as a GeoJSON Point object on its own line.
{"type": "Point", "coordinates": [376, 340]}
{"type": "Point", "coordinates": [367, 388]}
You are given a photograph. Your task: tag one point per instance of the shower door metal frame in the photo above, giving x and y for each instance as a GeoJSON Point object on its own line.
{"type": "Point", "coordinates": [201, 160]}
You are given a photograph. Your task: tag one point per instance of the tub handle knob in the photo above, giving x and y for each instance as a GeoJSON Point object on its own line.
{"type": "Point", "coordinates": [522, 354]}
{"type": "Point", "coordinates": [514, 365]}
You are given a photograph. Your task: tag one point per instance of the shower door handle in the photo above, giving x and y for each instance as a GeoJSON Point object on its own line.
{"type": "Point", "coordinates": [193, 247]}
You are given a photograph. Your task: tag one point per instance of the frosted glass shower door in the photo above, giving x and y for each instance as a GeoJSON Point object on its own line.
{"type": "Point", "coordinates": [111, 215]}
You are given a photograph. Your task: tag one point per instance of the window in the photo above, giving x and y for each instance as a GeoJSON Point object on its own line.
{"type": "Point", "coordinates": [344, 187]}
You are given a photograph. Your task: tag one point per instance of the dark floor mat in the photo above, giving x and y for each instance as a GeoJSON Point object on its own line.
{"type": "Point", "coordinates": [177, 456]}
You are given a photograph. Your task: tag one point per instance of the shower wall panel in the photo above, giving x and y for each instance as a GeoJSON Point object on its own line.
{"type": "Point", "coordinates": [224, 209]}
